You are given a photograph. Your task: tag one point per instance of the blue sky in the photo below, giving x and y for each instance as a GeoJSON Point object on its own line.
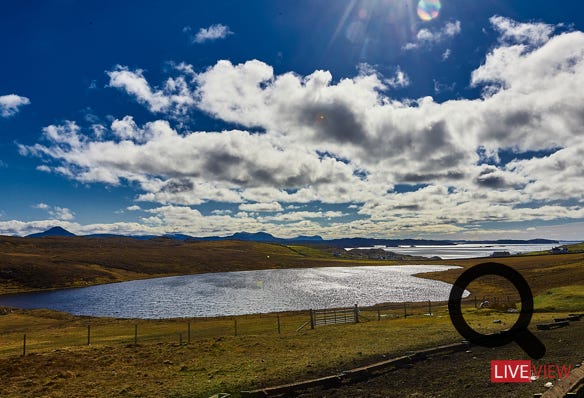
{"type": "Point", "coordinates": [380, 118]}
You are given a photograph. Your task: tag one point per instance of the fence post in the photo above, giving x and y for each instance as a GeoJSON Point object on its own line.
{"type": "Point", "coordinates": [356, 314]}
{"type": "Point", "coordinates": [405, 311]}
{"type": "Point", "coordinates": [311, 318]}
{"type": "Point", "coordinates": [89, 334]}
{"type": "Point", "coordinates": [189, 332]}
{"type": "Point", "coordinates": [429, 307]}
{"type": "Point", "coordinates": [136, 334]}
{"type": "Point", "coordinates": [24, 345]}
{"type": "Point", "coordinates": [378, 313]}
{"type": "Point", "coordinates": [235, 325]}
{"type": "Point", "coordinates": [278, 324]}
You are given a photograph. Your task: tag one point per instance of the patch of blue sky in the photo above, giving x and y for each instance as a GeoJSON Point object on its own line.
{"type": "Point", "coordinates": [402, 188]}
{"type": "Point", "coordinates": [506, 155]}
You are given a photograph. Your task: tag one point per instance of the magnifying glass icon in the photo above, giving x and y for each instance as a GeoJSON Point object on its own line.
{"type": "Point", "coordinates": [518, 332]}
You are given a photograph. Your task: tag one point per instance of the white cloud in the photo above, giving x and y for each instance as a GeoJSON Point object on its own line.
{"type": "Point", "coordinates": [303, 215]}
{"type": "Point", "coordinates": [514, 32]}
{"type": "Point", "coordinates": [221, 212]}
{"type": "Point", "coordinates": [10, 104]}
{"type": "Point", "coordinates": [174, 98]}
{"type": "Point", "coordinates": [426, 37]}
{"type": "Point", "coordinates": [451, 29]}
{"type": "Point", "coordinates": [62, 213]}
{"type": "Point", "coordinates": [189, 168]}
{"type": "Point", "coordinates": [134, 83]}
{"type": "Point", "coordinates": [212, 33]}
{"type": "Point", "coordinates": [446, 54]}
{"type": "Point", "coordinates": [400, 79]}
{"type": "Point", "coordinates": [261, 207]}
{"type": "Point", "coordinates": [58, 213]}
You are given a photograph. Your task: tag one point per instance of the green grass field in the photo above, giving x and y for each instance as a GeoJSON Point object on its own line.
{"type": "Point", "coordinates": [565, 298]}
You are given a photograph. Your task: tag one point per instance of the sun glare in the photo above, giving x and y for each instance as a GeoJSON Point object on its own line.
{"type": "Point", "coordinates": [429, 9]}
{"type": "Point", "coordinates": [378, 21]}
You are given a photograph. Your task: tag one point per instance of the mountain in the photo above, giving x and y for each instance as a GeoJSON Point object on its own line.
{"type": "Point", "coordinates": [55, 231]}
{"type": "Point", "coordinates": [256, 237]}
{"type": "Point", "coordinates": [178, 236]}
{"type": "Point", "coordinates": [304, 238]}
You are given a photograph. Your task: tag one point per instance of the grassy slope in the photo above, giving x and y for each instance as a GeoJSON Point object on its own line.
{"type": "Point", "coordinates": [542, 272]}
{"type": "Point", "coordinates": [45, 263]}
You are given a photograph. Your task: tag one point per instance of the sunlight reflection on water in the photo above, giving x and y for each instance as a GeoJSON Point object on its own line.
{"type": "Point", "coordinates": [237, 293]}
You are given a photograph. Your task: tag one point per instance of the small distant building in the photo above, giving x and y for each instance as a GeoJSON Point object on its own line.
{"type": "Point", "coordinates": [502, 253]}
{"type": "Point", "coordinates": [559, 250]}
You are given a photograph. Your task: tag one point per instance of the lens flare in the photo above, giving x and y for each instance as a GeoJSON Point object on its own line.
{"type": "Point", "coordinates": [428, 9]}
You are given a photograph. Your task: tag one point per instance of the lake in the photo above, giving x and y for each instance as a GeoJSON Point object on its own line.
{"type": "Point", "coordinates": [244, 292]}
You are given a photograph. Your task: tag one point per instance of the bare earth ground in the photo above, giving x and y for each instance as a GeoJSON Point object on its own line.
{"type": "Point", "coordinates": [468, 374]}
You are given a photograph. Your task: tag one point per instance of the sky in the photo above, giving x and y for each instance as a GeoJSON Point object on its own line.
{"type": "Point", "coordinates": [449, 119]}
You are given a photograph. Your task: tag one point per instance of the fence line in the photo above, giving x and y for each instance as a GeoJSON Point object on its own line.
{"type": "Point", "coordinates": [22, 339]}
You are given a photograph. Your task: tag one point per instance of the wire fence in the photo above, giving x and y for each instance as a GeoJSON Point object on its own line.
{"type": "Point", "coordinates": [22, 333]}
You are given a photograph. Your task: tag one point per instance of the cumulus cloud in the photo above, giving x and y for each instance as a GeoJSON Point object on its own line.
{"type": "Point", "coordinates": [212, 33]}
{"type": "Point", "coordinates": [426, 37]}
{"type": "Point", "coordinates": [261, 207]}
{"type": "Point", "coordinates": [173, 98]}
{"type": "Point", "coordinates": [58, 213]}
{"type": "Point", "coordinates": [511, 31]}
{"type": "Point", "coordinates": [10, 104]}
{"type": "Point", "coordinates": [186, 169]}
{"type": "Point", "coordinates": [303, 139]}
{"type": "Point", "coordinates": [400, 79]}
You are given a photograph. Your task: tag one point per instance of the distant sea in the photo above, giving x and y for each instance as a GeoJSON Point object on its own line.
{"type": "Point", "coordinates": [465, 250]}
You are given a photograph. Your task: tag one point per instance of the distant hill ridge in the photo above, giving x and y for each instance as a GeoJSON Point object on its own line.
{"type": "Point", "coordinates": [266, 237]}
{"type": "Point", "coordinates": [54, 231]}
